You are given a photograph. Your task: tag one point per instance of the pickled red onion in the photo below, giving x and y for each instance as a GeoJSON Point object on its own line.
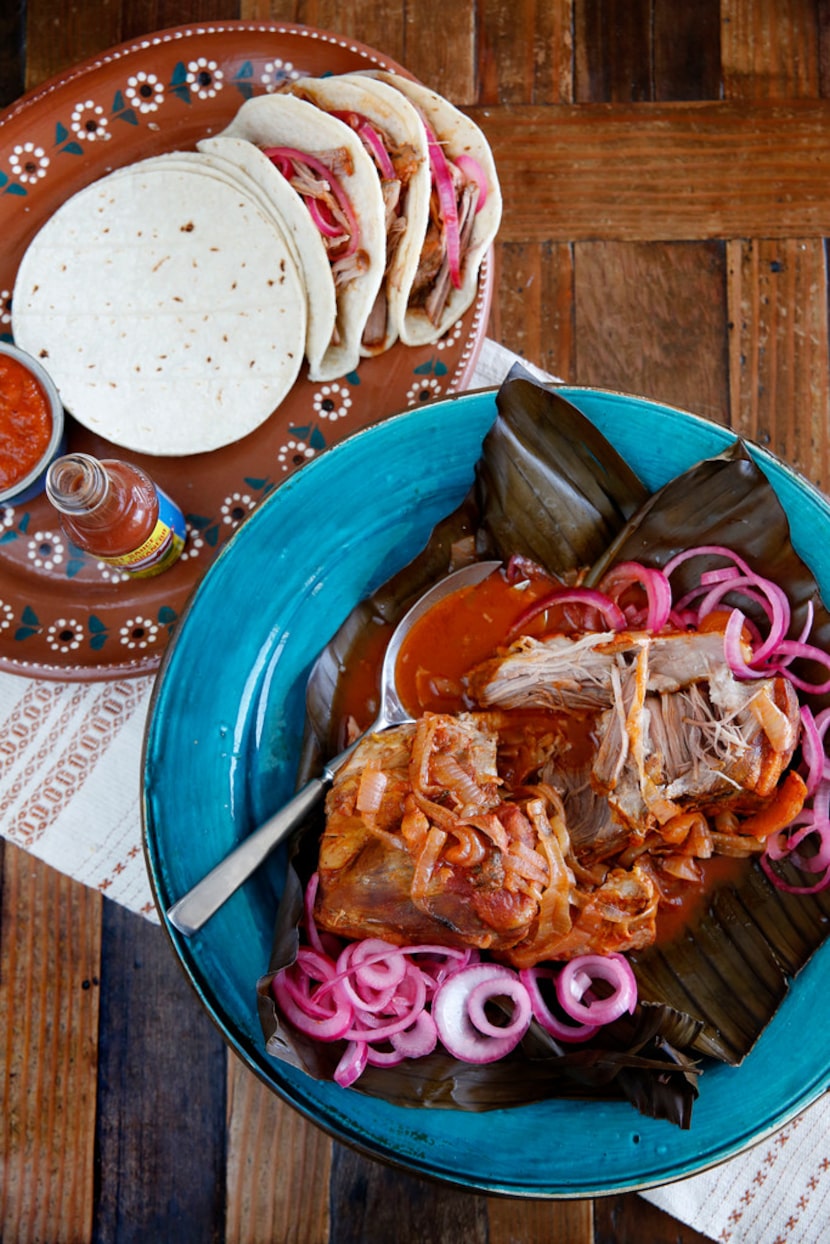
{"type": "Point", "coordinates": [458, 1029]}
{"type": "Point", "coordinates": [791, 649]}
{"type": "Point", "coordinates": [655, 585]}
{"type": "Point", "coordinates": [445, 189]}
{"type": "Point", "coordinates": [733, 648]}
{"type": "Point", "coordinates": [352, 1063]}
{"type": "Point", "coordinates": [285, 159]}
{"type": "Point", "coordinates": [781, 847]}
{"type": "Point", "coordinates": [573, 1032]}
{"type": "Point", "coordinates": [812, 750]}
{"type": "Point", "coordinates": [328, 228]}
{"type": "Point", "coordinates": [578, 976]}
{"type": "Point", "coordinates": [587, 596]}
{"type": "Point", "coordinates": [374, 143]}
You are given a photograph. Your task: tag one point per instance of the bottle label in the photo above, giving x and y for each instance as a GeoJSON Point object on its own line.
{"type": "Point", "coordinates": [161, 548]}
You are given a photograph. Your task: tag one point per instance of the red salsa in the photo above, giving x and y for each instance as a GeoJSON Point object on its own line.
{"type": "Point", "coordinates": [25, 421]}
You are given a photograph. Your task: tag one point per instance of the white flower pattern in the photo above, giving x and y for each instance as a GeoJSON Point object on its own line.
{"type": "Point", "coordinates": [234, 508]}
{"type": "Point", "coordinates": [45, 550]}
{"type": "Point", "coordinates": [293, 454]}
{"type": "Point", "coordinates": [138, 632]}
{"type": "Point", "coordinates": [423, 391]}
{"type": "Point", "coordinates": [204, 77]}
{"type": "Point", "coordinates": [113, 574]}
{"type": "Point", "coordinates": [28, 162]}
{"type": "Point", "coordinates": [144, 92]}
{"type": "Point", "coordinates": [193, 545]}
{"type": "Point", "coordinates": [332, 402]}
{"type": "Point", "coordinates": [65, 635]}
{"type": "Point", "coordinates": [88, 121]}
{"type": "Point", "coordinates": [6, 615]}
{"type": "Point", "coordinates": [275, 72]}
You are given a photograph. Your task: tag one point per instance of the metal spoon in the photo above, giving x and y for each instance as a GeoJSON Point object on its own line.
{"type": "Point", "coordinates": [191, 911]}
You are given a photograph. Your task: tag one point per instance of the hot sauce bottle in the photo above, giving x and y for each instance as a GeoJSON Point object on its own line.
{"type": "Point", "coordinates": [113, 510]}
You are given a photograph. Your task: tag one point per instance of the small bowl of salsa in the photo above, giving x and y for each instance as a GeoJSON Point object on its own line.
{"type": "Point", "coordinates": [31, 425]}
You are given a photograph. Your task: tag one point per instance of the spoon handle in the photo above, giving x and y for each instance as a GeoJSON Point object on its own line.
{"type": "Point", "coordinates": [191, 911]}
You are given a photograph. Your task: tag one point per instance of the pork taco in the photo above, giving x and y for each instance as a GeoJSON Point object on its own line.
{"type": "Point", "coordinates": [464, 213]}
{"type": "Point", "coordinates": [236, 158]}
{"type": "Point", "coordinates": [391, 131]}
{"type": "Point", "coordinates": [327, 166]}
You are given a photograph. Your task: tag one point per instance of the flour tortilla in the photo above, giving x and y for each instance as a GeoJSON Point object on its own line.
{"type": "Point", "coordinates": [239, 163]}
{"type": "Point", "coordinates": [457, 135]}
{"type": "Point", "coordinates": [283, 121]}
{"type": "Point", "coordinates": [167, 307]}
{"type": "Point", "coordinates": [391, 113]}
{"type": "Point", "coordinates": [243, 159]}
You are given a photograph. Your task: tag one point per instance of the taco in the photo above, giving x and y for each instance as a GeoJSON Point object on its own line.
{"type": "Point", "coordinates": [236, 158]}
{"type": "Point", "coordinates": [464, 216]}
{"type": "Point", "coordinates": [391, 131]}
{"type": "Point", "coordinates": [327, 166]}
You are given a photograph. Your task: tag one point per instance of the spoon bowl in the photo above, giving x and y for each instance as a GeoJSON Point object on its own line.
{"type": "Point", "coordinates": [189, 913]}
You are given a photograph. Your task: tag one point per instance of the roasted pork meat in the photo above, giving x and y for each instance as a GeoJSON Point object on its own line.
{"type": "Point", "coordinates": [548, 824]}
{"type": "Point", "coordinates": [424, 843]}
{"type": "Point", "coordinates": [676, 731]}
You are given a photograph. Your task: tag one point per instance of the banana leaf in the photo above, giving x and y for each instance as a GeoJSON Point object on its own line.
{"type": "Point", "coordinates": [550, 487]}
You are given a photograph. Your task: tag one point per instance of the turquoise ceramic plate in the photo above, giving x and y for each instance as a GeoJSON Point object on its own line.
{"type": "Point", "coordinates": [222, 749]}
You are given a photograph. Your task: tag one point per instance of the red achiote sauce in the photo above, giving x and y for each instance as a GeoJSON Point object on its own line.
{"type": "Point", "coordinates": [25, 421]}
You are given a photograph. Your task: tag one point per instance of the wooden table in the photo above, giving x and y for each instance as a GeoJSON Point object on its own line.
{"type": "Point", "coordinates": [667, 200]}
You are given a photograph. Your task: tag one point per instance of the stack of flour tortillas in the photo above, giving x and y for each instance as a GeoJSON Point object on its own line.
{"type": "Point", "coordinates": [174, 300]}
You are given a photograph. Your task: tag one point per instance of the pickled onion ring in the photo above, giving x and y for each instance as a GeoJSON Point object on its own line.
{"type": "Point", "coordinates": [589, 597]}
{"type": "Point", "coordinates": [578, 976]}
{"type": "Point", "coordinates": [568, 1032]}
{"type": "Point", "coordinates": [655, 585]}
{"type": "Point", "coordinates": [457, 1029]}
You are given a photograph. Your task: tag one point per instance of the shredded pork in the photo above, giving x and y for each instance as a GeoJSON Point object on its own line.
{"type": "Point", "coordinates": [600, 770]}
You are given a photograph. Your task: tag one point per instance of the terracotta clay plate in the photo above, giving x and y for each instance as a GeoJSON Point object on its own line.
{"type": "Point", "coordinates": [63, 614]}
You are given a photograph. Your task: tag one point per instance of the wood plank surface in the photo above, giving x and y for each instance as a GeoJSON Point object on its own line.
{"type": "Point", "coordinates": [50, 948]}
{"type": "Point", "coordinates": [666, 171]}
{"type": "Point", "coordinates": [662, 172]}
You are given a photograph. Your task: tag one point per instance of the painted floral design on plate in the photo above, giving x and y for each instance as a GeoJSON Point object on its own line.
{"type": "Point", "coordinates": [63, 613]}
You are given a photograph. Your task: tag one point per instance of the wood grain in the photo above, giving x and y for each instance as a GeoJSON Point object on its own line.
{"type": "Point", "coordinates": [770, 50]}
{"type": "Point", "coordinates": [275, 1157]}
{"type": "Point", "coordinates": [662, 172]}
{"type": "Point", "coordinates": [161, 1095]}
{"type": "Point", "coordinates": [651, 320]}
{"type": "Point", "coordinates": [778, 350]}
{"type": "Point", "coordinates": [49, 999]}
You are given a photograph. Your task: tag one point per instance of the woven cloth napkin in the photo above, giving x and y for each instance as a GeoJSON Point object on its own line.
{"type": "Point", "coordinates": [70, 793]}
